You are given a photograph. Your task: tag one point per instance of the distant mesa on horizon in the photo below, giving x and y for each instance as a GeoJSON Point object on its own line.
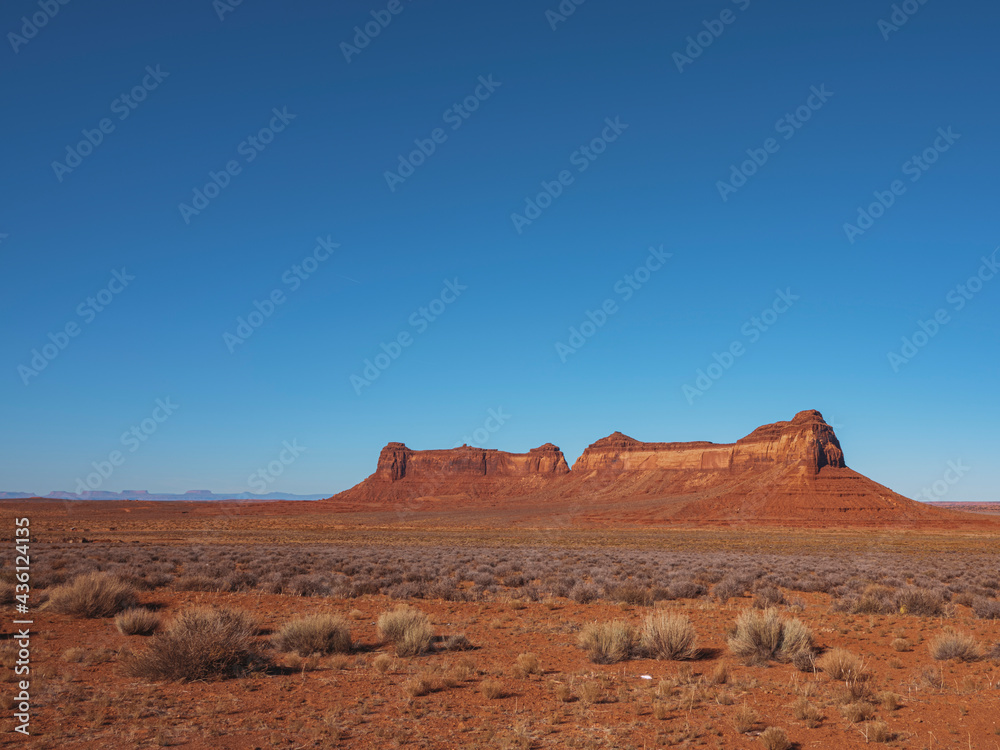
{"type": "Point", "coordinates": [790, 473]}
{"type": "Point", "coordinates": [200, 496]}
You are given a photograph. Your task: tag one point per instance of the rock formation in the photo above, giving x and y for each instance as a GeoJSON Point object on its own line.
{"type": "Point", "coordinates": [783, 473]}
{"type": "Point", "coordinates": [807, 442]}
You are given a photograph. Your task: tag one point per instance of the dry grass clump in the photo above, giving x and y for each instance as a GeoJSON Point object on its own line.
{"type": "Point", "coordinates": [745, 719]}
{"type": "Point", "coordinates": [419, 684]}
{"type": "Point", "coordinates": [767, 597]}
{"type": "Point", "coordinates": [901, 644]}
{"type": "Point", "coordinates": [527, 664]}
{"type": "Point", "coordinates": [919, 602]}
{"type": "Point", "coordinates": [806, 712]}
{"type": "Point", "coordinates": [759, 637]}
{"type": "Point", "coordinates": [720, 675]}
{"type": "Point", "coordinates": [986, 609]}
{"type": "Point", "coordinates": [491, 689]}
{"type": "Point", "coordinates": [877, 731]}
{"type": "Point", "coordinates": [457, 643]}
{"type": "Point", "coordinates": [315, 634]}
{"type": "Point", "coordinates": [382, 663]}
{"type": "Point", "coordinates": [774, 738]}
{"type": "Point", "coordinates": [608, 642]}
{"type": "Point", "coordinates": [841, 664]}
{"type": "Point", "coordinates": [591, 691]}
{"type": "Point", "coordinates": [668, 636]}
{"type": "Point", "coordinates": [409, 630]}
{"type": "Point", "coordinates": [858, 711]}
{"type": "Point", "coordinates": [137, 622]}
{"type": "Point", "coordinates": [563, 693]}
{"type": "Point", "coordinates": [889, 700]}
{"type": "Point", "coordinates": [93, 595]}
{"type": "Point", "coordinates": [956, 646]}
{"type": "Point", "coordinates": [200, 643]}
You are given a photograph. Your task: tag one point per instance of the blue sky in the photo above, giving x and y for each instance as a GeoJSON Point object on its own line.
{"type": "Point", "coordinates": [742, 160]}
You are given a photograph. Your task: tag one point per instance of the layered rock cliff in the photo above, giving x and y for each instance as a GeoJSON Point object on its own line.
{"type": "Point", "coordinates": [398, 462]}
{"type": "Point", "coordinates": [806, 442]}
{"type": "Point", "coordinates": [787, 473]}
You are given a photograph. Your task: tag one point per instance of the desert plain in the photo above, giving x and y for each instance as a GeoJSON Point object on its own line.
{"type": "Point", "coordinates": [758, 594]}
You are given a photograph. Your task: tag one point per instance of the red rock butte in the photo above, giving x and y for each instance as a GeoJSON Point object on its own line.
{"type": "Point", "coordinates": [786, 473]}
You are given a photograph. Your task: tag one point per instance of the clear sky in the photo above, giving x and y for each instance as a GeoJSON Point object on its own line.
{"type": "Point", "coordinates": [469, 183]}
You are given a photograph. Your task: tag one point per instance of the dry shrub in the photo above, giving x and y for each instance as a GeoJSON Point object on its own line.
{"type": "Point", "coordinates": [804, 660]}
{"type": "Point", "coordinates": [805, 711]}
{"type": "Point", "coordinates": [419, 684]}
{"type": "Point", "coordinates": [631, 593]}
{"type": "Point", "coordinates": [563, 693]}
{"type": "Point", "coordinates": [409, 630]}
{"type": "Point", "coordinates": [956, 646]}
{"type": "Point", "coordinates": [491, 689]}
{"type": "Point", "coordinates": [841, 664]}
{"type": "Point", "coordinates": [986, 609]}
{"type": "Point", "coordinates": [526, 664]}
{"type": "Point", "coordinates": [137, 622]}
{"type": "Point", "coordinates": [74, 655]}
{"type": "Point", "coordinates": [774, 738]}
{"type": "Point", "coordinates": [858, 711]}
{"type": "Point", "coordinates": [759, 637]}
{"type": "Point", "coordinates": [196, 583]}
{"type": "Point", "coordinates": [608, 642]}
{"type": "Point", "coordinates": [592, 691]}
{"type": "Point", "coordinates": [668, 636]}
{"type": "Point", "coordinates": [901, 644]}
{"type": "Point", "coordinates": [745, 719]}
{"type": "Point", "coordinates": [382, 663]}
{"type": "Point", "coordinates": [767, 597]}
{"type": "Point", "coordinates": [93, 595]}
{"type": "Point", "coordinates": [919, 602]}
{"type": "Point", "coordinates": [584, 593]}
{"type": "Point", "coordinates": [889, 700]}
{"type": "Point", "coordinates": [878, 731]}
{"type": "Point", "coordinates": [199, 644]}
{"type": "Point", "coordinates": [720, 675]}
{"type": "Point", "coordinates": [315, 634]}
{"type": "Point", "coordinates": [457, 643]}
{"type": "Point", "coordinates": [874, 600]}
